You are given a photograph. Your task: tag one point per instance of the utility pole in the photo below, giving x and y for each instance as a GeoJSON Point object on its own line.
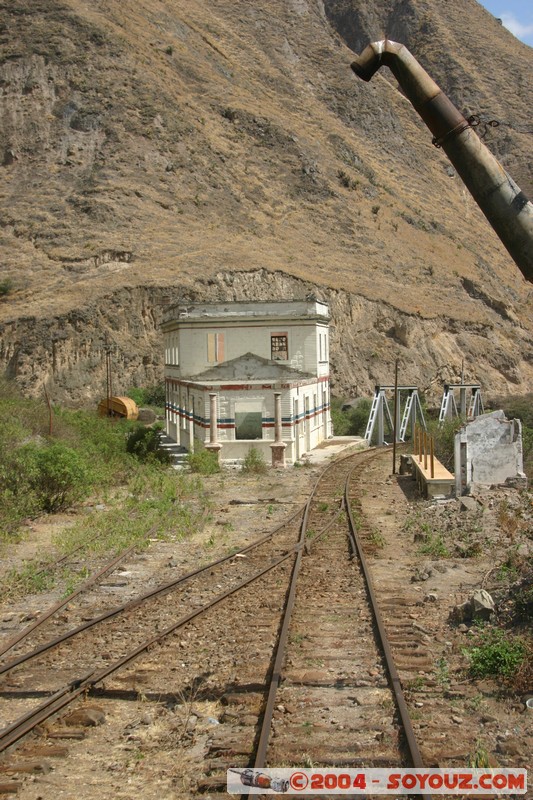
{"type": "Point", "coordinates": [109, 386]}
{"type": "Point", "coordinates": [395, 419]}
{"type": "Point", "coordinates": [50, 411]}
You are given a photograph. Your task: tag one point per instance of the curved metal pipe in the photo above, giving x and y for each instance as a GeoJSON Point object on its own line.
{"type": "Point", "coordinates": [504, 204]}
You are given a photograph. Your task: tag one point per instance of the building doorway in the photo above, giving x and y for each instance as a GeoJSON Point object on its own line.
{"type": "Point", "coordinates": [248, 419]}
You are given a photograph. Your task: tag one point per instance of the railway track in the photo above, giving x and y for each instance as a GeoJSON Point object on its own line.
{"type": "Point", "coordinates": [109, 635]}
{"type": "Point", "coordinates": [28, 635]}
{"type": "Point", "coordinates": [315, 687]}
{"type": "Point", "coordinates": [72, 560]}
{"type": "Point", "coordinates": [334, 697]}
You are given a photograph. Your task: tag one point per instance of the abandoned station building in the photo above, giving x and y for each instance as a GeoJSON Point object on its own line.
{"type": "Point", "coordinates": [246, 374]}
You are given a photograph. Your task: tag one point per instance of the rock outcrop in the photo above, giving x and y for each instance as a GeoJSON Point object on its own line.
{"type": "Point", "coordinates": [68, 351]}
{"type": "Point", "coordinates": [218, 150]}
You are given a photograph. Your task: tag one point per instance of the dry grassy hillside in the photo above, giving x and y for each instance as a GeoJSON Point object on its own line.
{"type": "Point", "coordinates": [153, 150]}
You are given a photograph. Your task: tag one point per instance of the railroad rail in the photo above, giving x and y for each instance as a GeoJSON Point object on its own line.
{"type": "Point", "coordinates": [286, 744]}
{"type": "Point", "coordinates": [110, 613]}
{"type": "Point", "coordinates": [77, 686]}
{"type": "Point", "coordinates": [304, 578]}
{"type": "Point", "coordinates": [53, 566]}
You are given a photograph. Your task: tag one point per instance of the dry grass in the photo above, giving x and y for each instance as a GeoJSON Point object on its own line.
{"type": "Point", "coordinates": [153, 147]}
{"type": "Point", "coordinates": [161, 143]}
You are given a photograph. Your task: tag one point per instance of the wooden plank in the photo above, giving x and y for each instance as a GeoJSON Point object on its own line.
{"type": "Point", "coordinates": [441, 473]}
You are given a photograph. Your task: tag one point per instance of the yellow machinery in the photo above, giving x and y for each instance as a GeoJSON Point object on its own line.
{"type": "Point", "coordinates": [123, 407]}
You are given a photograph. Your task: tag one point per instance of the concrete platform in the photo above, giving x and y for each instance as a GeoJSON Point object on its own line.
{"type": "Point", "coordinates": [442, 484]}
{"type": "Point", "coordinates": [334, 447]}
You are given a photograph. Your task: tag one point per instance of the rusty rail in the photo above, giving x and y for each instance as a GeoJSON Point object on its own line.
{"type": "Point", "coordinates": [46, 615]}
{"type": "Point", "coordinates": [264, 735]}
{"type": "Point", "coordinates": [59, 700]}
{"type": "Point", "coordinates": [42, 618]}
{"type": "Point", "coordinates": [65, 696]}
{"type": "Point", "coordinates": [283, 636]}
{"type": "Point", "coordinates": [356, 549]}
{"type": "Point", "coordinates": [130, 605]}
{"type": "Point", "coordinates": [383, 639]}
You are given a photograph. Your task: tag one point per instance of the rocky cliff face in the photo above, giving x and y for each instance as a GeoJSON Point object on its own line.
{"type": "Point", "coordinates": [67, 353]}
{"type": "Point", "coordinates": [225, 150]}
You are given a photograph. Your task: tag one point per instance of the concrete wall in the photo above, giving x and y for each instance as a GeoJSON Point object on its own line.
{"type": "Point", "coordinates": [245, 327]}
{"type": "Point", "coordinates": [305, 412]}
{"type": "Point", "coordinates": [186, 352]}
{"type": "Point", "coordinates": [491, 448]}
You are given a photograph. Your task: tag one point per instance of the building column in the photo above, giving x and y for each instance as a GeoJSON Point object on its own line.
{"type": "Point", "coordinates": [278, 447]}
{"type": "Point", "coordinates": [179, 421]}
{"type": "Point", "coordinates": [190, 411]}
{"type": "Point", "coordinates": [214, 445]}
{"type": "Point", "coordinates": [176, 411]}
{"type": "Point", "coordinates": [458, 466]}
{"type": "Point", "coordinates": [168, 412]}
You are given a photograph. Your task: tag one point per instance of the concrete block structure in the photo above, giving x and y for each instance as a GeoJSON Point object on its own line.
{"type": "Point", "coordinates": [488, 451]}
{"type": "Point", "coordinates": [248, 374]}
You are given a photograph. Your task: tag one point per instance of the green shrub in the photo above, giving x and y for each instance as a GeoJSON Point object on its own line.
{"type": "Point", "coordinates": [148, 395]}
{"type": "Point", "coordinates": [479, 758]}
{"type": "Point", "coordinates": [85, 454]}
{"type": "Point", "coordinates": [339, 417]}
{"type": "Point", "coordinates": [6, 286]}
{"type": "Point", "coordinates": [516, 406]}
{"type": "Point", "coordinates": [144, 444]}
{"type": "Point", "coordinates": [254, 462]}
{"type": "Point", "coordinates": [444, 437]}
{"type": "Point", "coordinates": [15, 506]}
{"type": "Point", "coordinates": [434, 545]}
{"type": "Point", "coordinates": [156, 395]}
{"type": "Point", "coordinates": [19, 470]}
{"type": "Point", "coordinates": [21, 417]}
{"type": "Point", "coordinates": [353, 421]}
{"type": "Point", "coordinates": [56, 473]}
{"type": "Point", "coordinates": [101, 441]}
{"type": "Point", "coordinates": [527, 445]}
{"type": "Point", "coordinates": [496, 654]}
{"type": "Point", "coordinates": [523, 604]}
{"type": "Point", "coordinates": [202, 461]}
{"type": "Point", "coordinates": [138, 395]}
{"type": "Point", "coordinates": [376, 539]}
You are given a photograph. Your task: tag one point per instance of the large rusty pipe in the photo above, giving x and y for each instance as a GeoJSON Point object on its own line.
{"type": "Point", "coordinates": [506, 207]}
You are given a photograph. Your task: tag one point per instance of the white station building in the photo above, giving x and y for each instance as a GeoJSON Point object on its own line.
{"type": "Point", "coordinates": [241, 375]}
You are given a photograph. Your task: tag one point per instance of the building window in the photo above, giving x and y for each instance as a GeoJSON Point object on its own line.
{"type": "Point", "coordinates": [174, 357]}
{"type": "Point", "coordinates": [215, 348]}
{"type": "Point", "coordinates": [279, 347]}
{"type": "Point", "coordinates": [323, 347]}
{"type": "Point", "coordinates": [171, 350]}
